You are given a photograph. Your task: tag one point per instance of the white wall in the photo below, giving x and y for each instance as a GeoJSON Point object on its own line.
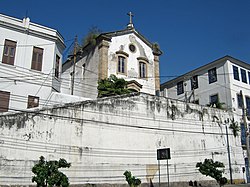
{"type": "Point", "coordinates": [85, 83]}
{"type": "Point", "coordinates": [103, 138]}
{"type": "Point", "coordinates": [236, 86]}
{"type": "Point", "coordinates": [22, 80]}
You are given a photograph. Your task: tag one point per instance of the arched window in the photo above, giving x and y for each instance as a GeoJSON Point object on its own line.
{"type": "Point", "coordinates": [142, 69]}
{"type": "Point", "coordinates": [121, 65]}
{"type": "Point", "coordinates": [122, 62]}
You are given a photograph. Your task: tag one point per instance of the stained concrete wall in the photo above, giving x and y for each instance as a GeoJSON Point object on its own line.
{"type": "Point", "coordinates": [105, 137]}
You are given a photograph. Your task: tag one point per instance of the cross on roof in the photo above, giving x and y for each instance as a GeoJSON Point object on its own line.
{"type": "Point", "coordinates": [130, 17]}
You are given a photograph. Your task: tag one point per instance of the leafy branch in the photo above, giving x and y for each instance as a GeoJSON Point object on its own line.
{"type": "Point", "coordinates": [132, 181]}
{"type": "Point", "coordinates": [112, 86]}
{"type": "Point", "coordinates": [47, 173]}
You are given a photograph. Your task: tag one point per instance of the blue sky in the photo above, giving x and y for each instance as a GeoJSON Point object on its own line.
{"type": "Point", "coordinates": [191, 33]}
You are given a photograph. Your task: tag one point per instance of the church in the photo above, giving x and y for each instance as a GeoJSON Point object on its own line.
{"type": "Point", "coordinates": [125, 53]}
{"type": "Point", "coordinates": [102, 138]}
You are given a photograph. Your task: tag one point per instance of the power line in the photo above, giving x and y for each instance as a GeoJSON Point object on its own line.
{"type": "Point", "coordinates": [135, 115]}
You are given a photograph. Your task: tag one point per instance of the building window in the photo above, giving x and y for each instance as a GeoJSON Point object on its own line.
{"type": "Point", "coordinates": [243, 75]}
{"type": "Point", "coordinates": [249, 77]}
{"type": "Point", "coordinates": [243, 134]}
{"type": "Point", "coordinates": [240, 100]}
{"type": "Point", "coordinates": [214, 99]}
{"type": "Point", "coordinates": [180, 88]}
{"type": "Point", "coordinates": [132, 48]}
{"type": "Point", "coordinates": [212, 75]}
{"type": "Point", "coordinates": [194, 82]}
{"type": "Point", "coordinates": [248, 106]}
{"type": "Point", "coordinates": [121, 64]}
{"type": "Point", "coordinates": [236, 73]}
{"type": "Point", "coordinates": [33, 101]}
{"type": "Point", "coordinates": [57, 66]}
{"type": "Point", "coordinates": [4, 101]}
{"type": "Point", "coordinates": [37, 59]}
{"type": "Point", "coordinates": [83, 69]}
{"type": "Point", "coordinates": [196, 102]}
{"type": "Point", "coordinates": [142, 70]}
{"type": "Point", "coordinates": [9, 52]}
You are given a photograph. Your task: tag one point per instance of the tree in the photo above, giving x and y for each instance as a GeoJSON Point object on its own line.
{"type": "Point", "coordinates": [210, 168]}
{"type": "Point", "coordinates": [132, 181]}
{"type": "Point", "coordinates": [47, 173]}
{"type": "Point", "coordinates": [234, 127]}
{"type": "Point", "coordinates": [90, 38]}
{"type": "Point", "coordinates": [112, 86]}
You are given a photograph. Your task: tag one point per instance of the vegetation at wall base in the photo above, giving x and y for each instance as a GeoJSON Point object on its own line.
{"type": "Point", "coordinates": [47, 173]}
{"type": "Point", "coordinates": [211, 168]}
{"type": "Point", "coordinates": [131, 180]}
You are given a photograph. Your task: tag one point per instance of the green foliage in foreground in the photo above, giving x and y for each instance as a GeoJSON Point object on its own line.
{"type": "Point", "coordinates": [47, 173]}
{"type": "Point", "coordinates": [211, 168]}
{"type": "Point", "coordinates": [112, 86]}
{"type": "Point", "coordinates": [132, 181]}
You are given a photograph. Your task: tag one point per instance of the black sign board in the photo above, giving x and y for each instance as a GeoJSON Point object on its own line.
{"type": "Point", "coordinates": [163, 154]}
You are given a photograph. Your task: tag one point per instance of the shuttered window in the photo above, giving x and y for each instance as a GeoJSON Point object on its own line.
{"type": "Point", "coordinates": [57, 66]}
{"type": "Point", "coordinates": [9, 52]}
{"type": "Point", "coordinates": [212, 75]}
{"type": "Point", "coordinates": [33, 101]}
{"type": "Point", "coordinates": [194, 82]}
{"type": "Point", "coordinates": [37, 59]}
{"type": "Point", "coordinates": [180, 88]}
{"type": "Point", "coordinates": [4, 101]}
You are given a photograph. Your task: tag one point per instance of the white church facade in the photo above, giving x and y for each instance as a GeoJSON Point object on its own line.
{"type": "Point", "coordinates": [125, 53]}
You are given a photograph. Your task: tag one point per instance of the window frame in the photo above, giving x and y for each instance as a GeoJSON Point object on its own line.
{"type": "Point", "coordinates": [180, 87]}
{"type": "Point", "coordinates": [4, 101]}
{"type": "Point", "coordinates": [210, 99]}
{"type": "Point", "coordinates": [239, 100]}
{"type": "Point", "coordinates": [31, 101]}
{"type": "Point", "coordinates": [212, 75]}
{"type": "Point", "coordinates": [143, 70]}
{"type": "Point", "coordinates": [132, 48]}
{"type": "Point", "coordinates": [247, 98]}
{"type": "Point", "coordinates": [7, 58]}
{"type": "Point", "coordinates": [194, 83]}
{"type": "Point", "coordinates": [83, 69]}
{"type": "Point", "coordinates": [236, 73]}
{"type": "Point", "coordinates": [121, 54]}
{"type": "Point", "coordinates": [243, 75]}
{"type": "Point", "coordinates": [121, 65]}
{"type": "Point", "coordinates": [57, 67]}
{"type": "Point", "coordinates": [37, 55]}
{"type": "Point", "coordinates": [249, 77]}
{"type": "Point", "coordinates": [196, 101]}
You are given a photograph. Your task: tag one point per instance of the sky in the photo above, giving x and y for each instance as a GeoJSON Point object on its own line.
{"type": "Point", "coordinates": [191, 33]}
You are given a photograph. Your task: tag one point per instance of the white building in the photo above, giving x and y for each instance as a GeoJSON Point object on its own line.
{"type": "Point", "coordinates": [30, 65]}
{"type": "Point", "coordinates": [125, 53]}
{"type": "Point", "coordinates": [217, 82]}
